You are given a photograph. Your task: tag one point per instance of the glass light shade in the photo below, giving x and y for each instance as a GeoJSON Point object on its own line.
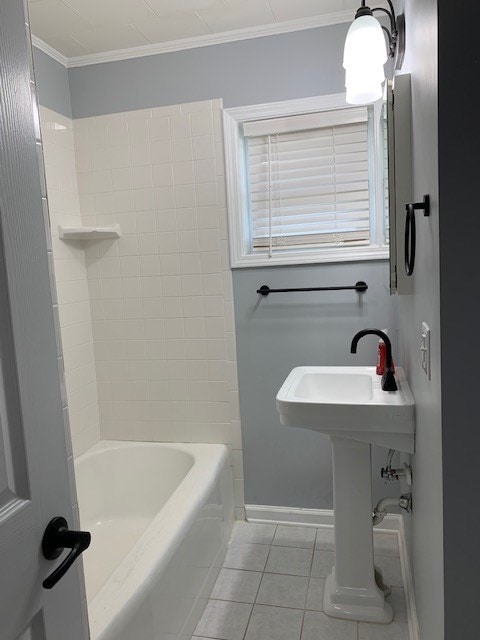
{"type": "Point", "coordinates": [364, 55]}
{"type": "Point", "coordinates": [364, 95]}
{"type": "Point", "coordinates": [364, 84]}
{"type": "Point", "coordinates": [365, 43]}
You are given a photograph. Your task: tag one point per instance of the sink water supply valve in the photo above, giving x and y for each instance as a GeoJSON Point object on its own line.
{"type": "Point", "coordinates": [389, 474]}
{"type": "Point", "coordinates": [404, 501]}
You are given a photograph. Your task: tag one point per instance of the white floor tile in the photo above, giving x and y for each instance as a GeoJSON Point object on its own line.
{"type": "Point", "coordinates": [253, 533]}
{"type": "Point", "coordinates": [274, 623]}
{"type": "Point", "coordinates": [392, 573]}
{"type": "Point", "coordinates": [283, 591]}
{"type": "Point", "coordinates": [289, 536]}
{"type": "Point", "coordinates": [315, 594]}
{"type": "Point", "coordinates": [318, 626]}
{"type": "Point", "coordinates": [385, 544]}
{"type": "Point", "coordinates": [251, 557]}
{"type": "Point", "coordinates": [290, 561]}
{"type": "Point", "coordinates": [393, 631]}
{"type": "Point", "coordinates": [237, 586]}
{"type": "Point", "coordinates": [224, 620]}
{"type": "Point", "coordinates": [325, 539]}
{"type": "Point", "coordinates": [323, 562]}
{"type": "Point", "coordinates": [273, 580]}
{"type": "Point", "coordinates": [399, 604]}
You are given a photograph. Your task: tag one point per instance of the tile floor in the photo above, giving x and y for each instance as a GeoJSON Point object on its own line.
{"type": "Point", "coordinates": [271, 588]}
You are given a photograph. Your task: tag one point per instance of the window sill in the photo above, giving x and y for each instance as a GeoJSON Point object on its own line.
{"type": "Point", "coordinates": [359, 254]}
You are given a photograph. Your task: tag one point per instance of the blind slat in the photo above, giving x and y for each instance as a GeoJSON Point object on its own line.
{"type": "Point", "coordinates": [309, 187]}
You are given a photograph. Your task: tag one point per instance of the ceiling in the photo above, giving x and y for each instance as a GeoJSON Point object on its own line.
{"type": "Point", "coordinates": [81, 27]}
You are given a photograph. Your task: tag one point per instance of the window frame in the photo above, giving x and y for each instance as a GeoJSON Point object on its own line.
{"type": "Point", "coordinates": [237, 187]}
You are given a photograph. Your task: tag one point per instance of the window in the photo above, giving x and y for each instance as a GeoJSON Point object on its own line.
{"type": "Point", "coordinates": [305, 186]}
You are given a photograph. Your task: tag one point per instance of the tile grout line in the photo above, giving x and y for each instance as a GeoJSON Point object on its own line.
{"type": "Point", "coordinates": [258, 588]}
{"type": "Point", "coordinates": [309, 578]}
{"type": "Point", "coordinates": [302, 625]}
{"type": "Point", "coordinates": [248, 621]}
{"type": "Point", "coordinates": [315, 548]}
{"type": "Point", "coordinates": [260, 604]}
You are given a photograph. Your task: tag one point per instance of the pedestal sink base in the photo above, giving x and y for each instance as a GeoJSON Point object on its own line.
{"type": "Point", "coordinates": [349, 405]}
{"type": "Point", "coordinates": [355, 604]}
{"type": "Point", "coordinates": [355, 588]}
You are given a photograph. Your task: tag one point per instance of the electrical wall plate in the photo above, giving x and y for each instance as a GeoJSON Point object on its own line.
{"type": "Point", "coordinates": [425, 349]}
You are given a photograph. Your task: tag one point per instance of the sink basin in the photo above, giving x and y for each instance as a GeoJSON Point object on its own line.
{"type": "Point", "coordinates": [349, 402]}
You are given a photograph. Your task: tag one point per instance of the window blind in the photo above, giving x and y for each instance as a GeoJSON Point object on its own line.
{"type": "Point", "coordinates": [308, 187]}
{"type": "Point", "coordinates": [386, 194]}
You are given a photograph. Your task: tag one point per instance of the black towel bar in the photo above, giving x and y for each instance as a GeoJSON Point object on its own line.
{"type": "Point", "coordinates": [359, 287]}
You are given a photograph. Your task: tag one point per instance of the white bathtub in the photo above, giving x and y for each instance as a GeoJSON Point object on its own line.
{"type": "Point", "coordinates": [160, 517]}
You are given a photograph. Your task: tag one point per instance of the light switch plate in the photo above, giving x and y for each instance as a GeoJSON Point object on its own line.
{"type": "Point", "coordinates": [425, 349]}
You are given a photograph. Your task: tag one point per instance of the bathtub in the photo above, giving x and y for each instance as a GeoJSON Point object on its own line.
{"type": "Point", "coordinates": [160, 517]}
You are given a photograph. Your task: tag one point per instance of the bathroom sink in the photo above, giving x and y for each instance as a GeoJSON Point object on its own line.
{"type": "Point", "coordinates": [349, 402]}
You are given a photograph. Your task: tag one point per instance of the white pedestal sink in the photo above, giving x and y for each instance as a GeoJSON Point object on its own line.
{"type": "Point", "coordinates": [349, 405]}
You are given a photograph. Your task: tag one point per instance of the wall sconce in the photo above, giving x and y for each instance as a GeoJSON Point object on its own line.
{"type": "Point", "coordinates": [366, 53]}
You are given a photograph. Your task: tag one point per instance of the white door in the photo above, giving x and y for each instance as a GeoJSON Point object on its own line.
{"type": "Point", "coordinates": [34, 479]}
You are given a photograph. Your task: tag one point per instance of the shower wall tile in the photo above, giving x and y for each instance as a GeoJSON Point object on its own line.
{"type": "Point", "coordinates": [161, 296]}
{"type": "Point", "coordinates": [72, 289]}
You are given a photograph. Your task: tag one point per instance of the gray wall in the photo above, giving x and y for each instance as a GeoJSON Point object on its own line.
{"type": "Point", "coordinates": [281, 67]}
{"type": "Point", "coordinates": [424, 305]}
{"type": "Point", "coordinates": [459, 135]}
{"type": "Point", "coordinates": [52, 83]}
{"type": "Point", "coordinates": [284, 466]}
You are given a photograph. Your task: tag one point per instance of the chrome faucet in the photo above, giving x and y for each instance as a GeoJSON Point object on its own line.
{"type": "Point", "coordinates": [388, 379]}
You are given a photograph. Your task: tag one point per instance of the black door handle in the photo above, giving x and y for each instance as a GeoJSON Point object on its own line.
{"type": "Point", "coordinates": [56, 539]}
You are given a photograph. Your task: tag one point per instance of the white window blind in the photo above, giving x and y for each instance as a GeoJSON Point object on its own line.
{"type": "Point", "coordinates": [386, 195]}
{"type": "Point", "coordinates": [308, 181]}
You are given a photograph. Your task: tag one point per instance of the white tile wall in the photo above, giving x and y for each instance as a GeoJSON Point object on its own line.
{"type": "Point", "coordinates": [161, 296]}
{"type": "Point", "coordinates": [74, 318]}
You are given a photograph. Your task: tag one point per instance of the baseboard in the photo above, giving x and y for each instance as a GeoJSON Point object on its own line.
{"type": "Point", "coordinates": [307, 517]}
{"type": "Point", "coordinates": [393, 523]}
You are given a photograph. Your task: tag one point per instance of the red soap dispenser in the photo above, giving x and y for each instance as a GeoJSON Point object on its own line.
{"type": "Point", "coordinates": [382, 357]}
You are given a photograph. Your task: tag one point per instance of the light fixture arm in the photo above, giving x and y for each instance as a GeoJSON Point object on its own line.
{"type": "Point", "coordinates": [390, 4]}
{"type": "Point", "coordinates": [389, 14]}
{"type": "Point", "coordinates": [390, 41]}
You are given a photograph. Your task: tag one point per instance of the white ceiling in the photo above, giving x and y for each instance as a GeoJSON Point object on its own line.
{"type": "Point", "coordinates": [81, 27]}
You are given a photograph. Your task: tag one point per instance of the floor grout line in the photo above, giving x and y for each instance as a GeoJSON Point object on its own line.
{"type": "Point", "coordinates": [308, 577]}
{"type": "Point", "coordinates": [248, 622]}
{"type": "Point", "coordinates": [314, 548]}
{"type": "Point", "coordinates": [263, 604]}
{"type": "Point", "coordinates": [303, 624]}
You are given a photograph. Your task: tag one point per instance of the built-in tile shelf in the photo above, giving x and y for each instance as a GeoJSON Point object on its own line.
{"type": "Point", "coordinates": [89, 233]}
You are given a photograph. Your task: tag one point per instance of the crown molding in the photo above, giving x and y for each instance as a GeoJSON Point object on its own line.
{"type": "Point", "coordinates": [50, 51]}
{"type": "Point", "coordinates": [197, 41]}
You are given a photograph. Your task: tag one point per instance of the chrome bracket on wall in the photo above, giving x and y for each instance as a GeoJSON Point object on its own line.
{"type": "Point", "coordinates": [411, 232]}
